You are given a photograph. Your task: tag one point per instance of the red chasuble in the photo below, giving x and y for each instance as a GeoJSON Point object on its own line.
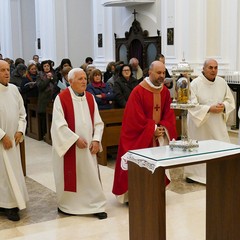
{"type": "Point", "coordinates": [145, 107]}
{"type": "Point", "coordinates": [70, 175]}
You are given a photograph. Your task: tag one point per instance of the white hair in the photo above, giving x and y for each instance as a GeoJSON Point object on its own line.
{"type": "Point", "coordinates": [133, 60]}
{"type": "Point", "coordinates": [73, 71]}
{"type": "Point", "coordinates": [206, 62]}
{"type": "Point", "coordinates": [91, 66]}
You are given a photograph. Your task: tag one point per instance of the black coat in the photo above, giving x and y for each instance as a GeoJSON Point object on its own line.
{"type": "Point", "coordinates": [122, 89]}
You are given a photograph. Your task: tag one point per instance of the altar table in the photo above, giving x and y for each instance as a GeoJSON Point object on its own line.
{"type": "Point", "coordinates": [147, 197]}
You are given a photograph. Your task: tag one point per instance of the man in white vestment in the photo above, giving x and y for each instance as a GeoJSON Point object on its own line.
{"type": "Point", "coordinates": [76, 132]}
{"type": "Point", "coordinates": [208, 119]}
{"type": "Point", "coordinates": [13, 191]}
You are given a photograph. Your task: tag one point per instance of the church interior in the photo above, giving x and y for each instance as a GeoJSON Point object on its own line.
{"type": "Point", "coordinates": [181, 30]}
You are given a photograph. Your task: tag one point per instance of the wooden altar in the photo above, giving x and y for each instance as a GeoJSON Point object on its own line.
{"type": "Point", "coordinates": [147, 199]}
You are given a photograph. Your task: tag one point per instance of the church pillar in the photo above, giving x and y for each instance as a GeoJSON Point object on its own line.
{"type": "Point", "coordinates": [229, 23]}
{"type": "Point", "coordinates": [17, 29]}
{"type": "Point", "coordinates": [10, 29]}
{"type": "Point", "coordinates": [65, 29]}
{"type": "Point", "coordinates": [213, 28]}
{"type": "Point", "coordinates": [5, 24]}
{"type": "Point", "coordinates": [45, 28]}
{"type": "Point", "coordinates": [61, 26]}
{"type": "Point", "coordinates": [202, 29]}
{"type": "Point", "coordinates": [187, 20]}
{"type": "Point", "coordinates": [238, 37]}
{"type": "Point", "coordinates": [103, 33]}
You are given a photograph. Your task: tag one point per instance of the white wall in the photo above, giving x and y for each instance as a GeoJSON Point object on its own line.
{"type": "Point", "coordinates": [80, 30]}
{"type": "Point", "coordinates": [65, 29]}
{"type": "Point", "coordinates": [28, 24]}
{"type": "Point", "coordinates": [103, 24]}
{"type": "Point", "coordinates": [5, 33]}
{"type": "Point", "coordinates": [61, 21]}
{"type": "Point", "coordinates": [147, 15]}
{"type": "Point", "coordinates": [16, 29]}
{"type": "Point", "coordinates": [202, 28]}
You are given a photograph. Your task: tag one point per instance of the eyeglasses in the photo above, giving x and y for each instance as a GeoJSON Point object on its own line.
{"type": "Point", "coordinates": [126, 70]}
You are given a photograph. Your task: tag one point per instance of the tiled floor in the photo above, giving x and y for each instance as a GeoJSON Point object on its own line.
{"type": "Point", "coordinates": [185, 207]}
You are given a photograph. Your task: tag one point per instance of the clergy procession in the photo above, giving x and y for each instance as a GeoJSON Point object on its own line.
{"type": "Point", "coordinates": [77, 127]}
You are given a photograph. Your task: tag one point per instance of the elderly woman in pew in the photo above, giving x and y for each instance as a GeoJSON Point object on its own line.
{"type": "Point", "coordinates": [46, 83]}
{"type": "Point", "coordinates": [124, 85]}
{"type": "Point", "coordinates": [102, 92]}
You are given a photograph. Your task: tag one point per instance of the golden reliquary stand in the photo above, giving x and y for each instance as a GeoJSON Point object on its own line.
{"type": "Point", "coordinates": [181, 100]}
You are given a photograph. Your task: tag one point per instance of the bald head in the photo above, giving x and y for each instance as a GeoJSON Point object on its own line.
{"type": "Point", "coordinates": [157, 73]}
{"type": "Point", "coordinates": [210, 69]}
{"type": "Point", "coordinates": [4, 72]}
{"type": "Point", "coordinates": [209, 62]}
{"type": "Point", "coordinates": [156, 64]}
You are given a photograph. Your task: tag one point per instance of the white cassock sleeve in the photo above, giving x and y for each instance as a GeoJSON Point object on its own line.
{"type": "Point", "coordinates": [199, 114]}
{"type": "Point", "coordinates": [62, 137]}
{"type": "Point", "coordinates": [98, 125]}
{"type": "Point", "coordinates": [229, 104]}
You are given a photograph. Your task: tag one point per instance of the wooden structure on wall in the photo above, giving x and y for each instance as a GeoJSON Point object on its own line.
{"type": "Point", "coordinates": [138, 44]}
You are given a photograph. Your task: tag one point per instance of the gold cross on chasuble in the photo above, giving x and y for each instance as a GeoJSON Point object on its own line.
{"type": "Point", "coordinates": [157, 107]}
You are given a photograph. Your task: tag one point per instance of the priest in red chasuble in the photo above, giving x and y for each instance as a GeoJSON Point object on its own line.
{"type": "Point", "coordinates": [148, 121]}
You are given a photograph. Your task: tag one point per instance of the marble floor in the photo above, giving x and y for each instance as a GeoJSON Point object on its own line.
{"type": "Point", "coordinates": [185, 206]}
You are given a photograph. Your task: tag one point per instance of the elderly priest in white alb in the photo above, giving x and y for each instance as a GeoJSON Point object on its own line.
{"type": "Point", "coordinates": [13, 191]}
{"type": "Point", "coordinates": [76, 132]}
{"type": "Point", "coordinates": [208, 119]}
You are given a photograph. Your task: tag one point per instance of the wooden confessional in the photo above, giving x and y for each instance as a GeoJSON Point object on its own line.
{"type": "Point", "coordinates": [138, 44]}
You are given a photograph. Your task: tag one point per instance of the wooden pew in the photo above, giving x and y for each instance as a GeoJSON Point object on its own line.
{"type": "Point", "coordinates": [33, 129]}
{"type": "Point", "coordinates": [49, 110]}
{"type": "Point", "coordinates": [112, 119]}
{"type": "Point", "coordinates": [23, 157]}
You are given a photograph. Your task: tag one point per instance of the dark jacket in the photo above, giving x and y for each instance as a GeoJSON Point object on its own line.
{"type": "Point", "coordinates": [107, 94]}
{"type": "Point", "coordinates": [122, 89]}
{"type": "Point", "coordinates": [29, 88]}
{"type": "Point", "coordinates": [46, 91]}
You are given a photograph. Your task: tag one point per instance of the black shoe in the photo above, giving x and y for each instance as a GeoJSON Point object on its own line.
{"type": "Point", "coordinates": [101, 215]}
{"type": "Point", "coordinates": [189, 180]}
{"type": "Point", "coordinates": [2, 209]}
{"type": "Point", "coordinates": [12, 214]}
{"type": "Point", "coordinates": [60, 211]}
